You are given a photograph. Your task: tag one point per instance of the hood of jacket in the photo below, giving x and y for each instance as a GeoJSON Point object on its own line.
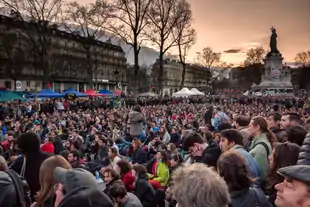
{"type": "Point", "coordinates": [135, 116]}
{"type": "Point", "coordinates": [6, 186]}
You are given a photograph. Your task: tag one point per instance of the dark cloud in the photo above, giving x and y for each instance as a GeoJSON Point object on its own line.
{"type": "Point", "coordinates": [233, 51]}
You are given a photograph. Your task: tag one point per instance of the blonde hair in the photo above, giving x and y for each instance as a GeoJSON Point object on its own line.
{"type": "Point", "coordinates": [207, 189]}
{"type": "Point", "coordinates": [46, 178]}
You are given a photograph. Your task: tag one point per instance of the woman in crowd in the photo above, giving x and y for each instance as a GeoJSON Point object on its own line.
{"type": "Point", "coordinates": [175, 137]}
{"type": "Point", "coordinates": [46, 194]}
{"type": "Point", "coordinates": [139, 155]}
{"type": "Point", "coordinates": [114, 157]}
{"type": "Point", "coordinates": [124, 170]}
{"type": "Point", "coordinates": [232, 168]}
{"type": "Point", "coordinates": [143, 189]}
{"type": "Point", "coordinates": [283, 155]}
{"type": "Point", "coordinates": [160, 176]}
{"type": "Point", "coordinates": [164, 135]}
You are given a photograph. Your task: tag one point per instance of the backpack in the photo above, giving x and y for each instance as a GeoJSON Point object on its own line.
{"type": "Point", "coordinates": [23, 195]}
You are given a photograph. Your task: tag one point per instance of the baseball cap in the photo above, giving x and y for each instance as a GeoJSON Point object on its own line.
{"type": "Point", "coordinates": [72, 179]}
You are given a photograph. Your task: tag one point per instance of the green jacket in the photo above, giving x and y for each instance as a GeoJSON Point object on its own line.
{"type": "Point", "coordinates": [260, 155]}
{"type": "Point", "coordinates": [162, 174]}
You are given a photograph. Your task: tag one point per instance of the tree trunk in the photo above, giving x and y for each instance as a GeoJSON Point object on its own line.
{"type": "Point", "coordinates": [161, 73]}
{"type": "Point", "coordinates": [89, 68]}
{"type": "Point", "coordinates": [183, 74]}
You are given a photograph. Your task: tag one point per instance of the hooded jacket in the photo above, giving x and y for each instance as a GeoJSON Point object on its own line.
{"type": "Point", "coordinates": [136, 120]}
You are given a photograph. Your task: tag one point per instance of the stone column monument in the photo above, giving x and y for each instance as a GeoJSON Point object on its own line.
{"type": "Point", "coordinates": [275, 75]}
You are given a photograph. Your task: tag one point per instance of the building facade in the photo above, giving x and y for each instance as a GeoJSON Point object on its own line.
{"type": "Point", "coordinates": [70, 60]}
{"type": "Point", "coordinates": [195, 76]}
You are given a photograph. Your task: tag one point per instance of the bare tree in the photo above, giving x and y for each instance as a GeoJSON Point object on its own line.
{"type": "Point", "coordinates": [303, 58]}
{"type": "Point", "coordinates": [185, 36]}
{"type": "Point", "coordinates": [255, 56]}
{"type": "Point", "coordinates": [129, 19]}
{"type": "Point", "coordinates": [40, 14]}
{"type": "Point", "coordinates": [164, 16]}
{"type": "Point", "coordinates": [87, 21]}
{"type": "Point", "coordinates": [208, 58]}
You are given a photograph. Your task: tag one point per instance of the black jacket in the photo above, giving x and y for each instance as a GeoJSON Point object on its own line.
{"type": "Point", "coordinates": [210, 154]}
{"type": "Point", "coordinates": [33, 164]}
{"type": "Point", "coordinates": [145, 191]}
{"type": "Point", "coordinates": [108, 185]}
{"type": "Point", "coordinates": [139, 156]}
{"type": "Point", "coordinates": [304, 154]}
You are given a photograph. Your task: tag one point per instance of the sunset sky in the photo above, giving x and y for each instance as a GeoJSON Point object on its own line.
{"type": "Point", "coordinates": [234, 26]}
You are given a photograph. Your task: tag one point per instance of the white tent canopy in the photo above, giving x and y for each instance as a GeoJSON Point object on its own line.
{"type": "Point", "coordinates": [148, 94]}
{"type": "Point", "coordinates": [197, 92]}
{"type": "Point", "coordinates": [184, 92]}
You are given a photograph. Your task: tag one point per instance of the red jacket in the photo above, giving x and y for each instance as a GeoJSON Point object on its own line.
{"type": "Point", "coordinates": [48, 148]}
{"type": "Point", "coordinates": [128, 179]}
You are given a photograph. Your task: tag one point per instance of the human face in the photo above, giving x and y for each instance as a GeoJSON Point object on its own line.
{"type": "Point", "coordinates": [100, 143]}
{"type": "Point", "coordinates": [196, 150]}
{"type": "Point", "coordinates": [158, 156]}
{"type": "Point", "coordinates": [71, 158]}
{"type": "Point", "coordinates": [173, 163]}
{"type": "Point", "coordinates": [225, 145]}
{"type": "Point", "coordinates": [285, 122]}
{"type": "Point", "coordinates": [253, 130]}
{"type": "Point", "coordinates": [291, 193]}
{"type": "Point", "coordinates": [107, 177]}
{"type": "Point", "coordinates": [271, 123]}
{"type": "Point", "coordinates": [110, 153]}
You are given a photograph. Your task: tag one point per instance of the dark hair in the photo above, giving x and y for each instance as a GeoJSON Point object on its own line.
{"type": "Point", "coordinates": [242, 120]}
{"type": "Point", "coordinates": [29, 143]}
{"type": "Point", "coordinates": [262, 123]}
{"type": "Point", "coordinates": [177, 157]}
{"type": "Point", "coordinates": [124, 166]}
{"type": "Point", "coordinates": [296, 134]}
{"type": "Point", "coordinates": [191, 139]}
{"type": "Point", "coordinates": [232, 167]}
{"type": "Point", "coordinates": [137, 108]}
{"type": "Point", "coordinates": [280, 134]}
{"type": "Point", "coordinates": [233, 135]}
{"type": "Point", "coordinates": [285, 154]}
{"type": "Point", "coordinates": [76, 145]}
{"type": "Point", "coordinates": [75, 153]}
{"type": "Point", "coordinates": [65, 154]}
{"type": "Point", "coordinates": [114, 174]}
{"type": "Point", "coordinates": [140, 169]}
{"type": "Point", "coordinates": [164, 158]}
{"type": "Point", "coordinates": [224, 126]}
{"type": "Point", "coordinates": [292, 116]}
{"type": "Point", "coordinates": [275, 116]}
{"type": "Point", "coordinates": [113, 150]}
{"type": "Point", "coordinates": [208, 135]}
{"type": "Point", "coordinates": [117, 190]}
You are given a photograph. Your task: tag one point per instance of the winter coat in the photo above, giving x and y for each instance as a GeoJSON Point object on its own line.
{"type": "Point", "coordinates": [145, 191]}
{"type": "Point", "coordinates": [304, 153]}
{"type": "Point", "coordinates": [136, 119]}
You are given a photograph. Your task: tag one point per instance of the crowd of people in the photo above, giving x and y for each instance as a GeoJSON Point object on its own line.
{"type": "Point", "coordinates": [208, 151]}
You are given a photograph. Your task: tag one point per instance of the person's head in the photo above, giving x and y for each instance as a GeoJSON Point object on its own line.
{"type": "Point", "coordinates": [241, 121]}
{"type": "Point", "coordinates": [195, 144]}
{"type": "Point", "coordinates": [283, 155]}
{"type": "Point", "coordinates": [224, 126]}
{"type": "Point", "coordinates": [137, 108]}
{"type": "Point", "coordinates": [118, 193]}
{"type": "Point", "coordinates": [257, 126]}
{"type": "Point", "coordinates": [289, 119]}
{"type": "Point", "coordinates": [294, 191]}
{"type": "Point", "coordinates": [136, 144]}
{"type": "Point", "coordinates": [73, 156]}
{"type": "Point", "coordinates": [171, 148]}
{"type": "Point", "coordinates": [273, 120]}
{"type": "Point", "coordinates": [102, 142]}
{"type": "Point", "coordinates": [110, 174]}
{"type": "Point", "coordinates": [65, 154]}
{"type": "Point", "coordinates": [75, 146]}
{"type": "Point", "coordinates": [29, 143]}
{"type": "Point", "coordinates": [211, 190]}
{"type": "Point", "coordinates": [112, 152]}
{"type": "Point", "coordinates": [46, 178]}
{"type": "Point", "coordinates": [232, 167]}
{"type": "Point", "coordinates": [123, 166]}
{"type": "Point", "coordinates": [161, 156]}
{"type": "Point", "coordinates": [139, 170]}
{"type": "Point", "coordinates": [280, 134]}
{"type": "Point", "coordinates": [176, 160]}
{"type": "Point", "coordinates": [296, 134]}
{"type": "Point", "coordinates": [230, 138]}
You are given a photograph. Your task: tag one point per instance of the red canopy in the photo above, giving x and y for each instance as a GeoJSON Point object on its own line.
{"type": "Point", "coordinates": [91, 92]}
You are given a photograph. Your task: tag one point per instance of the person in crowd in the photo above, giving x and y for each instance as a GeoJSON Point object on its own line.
{"type": "Point", "coordinates": [28, 165]}
{"type": "Point", "coordinates": [241, 123]}
{"type": "Point", "coordinates": [289, 119]}
{"type": "Point", "coordinates": [175, 138]}
{"type": "Point", "coordinates": [160, 172]}
{"type": "Point", "coordinates": [125, 170]}
{"type": "Point", "coordinates": [78, 187]}
{"type": "Point", "coordinates": [113, 155]}
{"type": "Point", "coordinates": [164, 135]}
{"type": "Point", "coordinates": [48, 145]}
{"type": "Point", "coordinates": [75, 160]}
{"type": "Point", "coordinates": [261, 147]}
{"type": "Point", "coordinates": [233, 169]}
{"type": "Point", "coordinates": [175, 162]}
{"type": "Point", "coordinates": [143, 189]}
{"type": "Point", "coordinates": [232, 139]}
{"type": "Point", "coordinates": [296, 134]}
{"type": "Point", "coordinates": [102, 152]}
{"type": "Point", "coordinates": [139, 156]}
{"type": "Point", "coordinates": [123, 198]}
{"type": "Point", "coordinates": [46, 195]}
{"type": "Point", "coordinates": [303, 157]}
{"type": "Point", "coordinates": [294, 190]}
{"type": "Point", "coordinates": [209, 191]}
{"type": "Point", "coordinates": [111, 176]}
{"type": "Point", "coordinates": [283, 155]}
{"type": "Point", "coordinates": [220, 117]}
{"type": "Point", "coordinates": [273, 120]}
{"type": "Point", "coordinates": [136, 120]}
{"type": "Point", "coordinates": [280, 134]}
{"type": "Point", "coordinates": [171, 150]}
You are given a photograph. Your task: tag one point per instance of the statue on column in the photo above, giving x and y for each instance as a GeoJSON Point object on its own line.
{"type": "Point", "coordinates": [273, 41]}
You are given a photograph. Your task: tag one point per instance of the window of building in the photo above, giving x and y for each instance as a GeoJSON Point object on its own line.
{"type": "Point", "coordinates": [8, 84]}
{"type": "Point", "coordinates": [28, 83]}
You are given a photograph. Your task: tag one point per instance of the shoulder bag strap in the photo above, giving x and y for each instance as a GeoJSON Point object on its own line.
{"type": "Point", "coordinates": [22, 172]}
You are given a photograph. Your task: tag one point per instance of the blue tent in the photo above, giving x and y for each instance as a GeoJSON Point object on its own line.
{"type": "Point", "coordinates": [106, 92]}
{"type": "Point", "coordinates": [48, 93]}
{"type": "Point", "coordinates": [71, 91]}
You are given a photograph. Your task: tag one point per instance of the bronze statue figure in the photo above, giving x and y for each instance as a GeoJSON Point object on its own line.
{"type": "Point", "coordinates": [273, 41]}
